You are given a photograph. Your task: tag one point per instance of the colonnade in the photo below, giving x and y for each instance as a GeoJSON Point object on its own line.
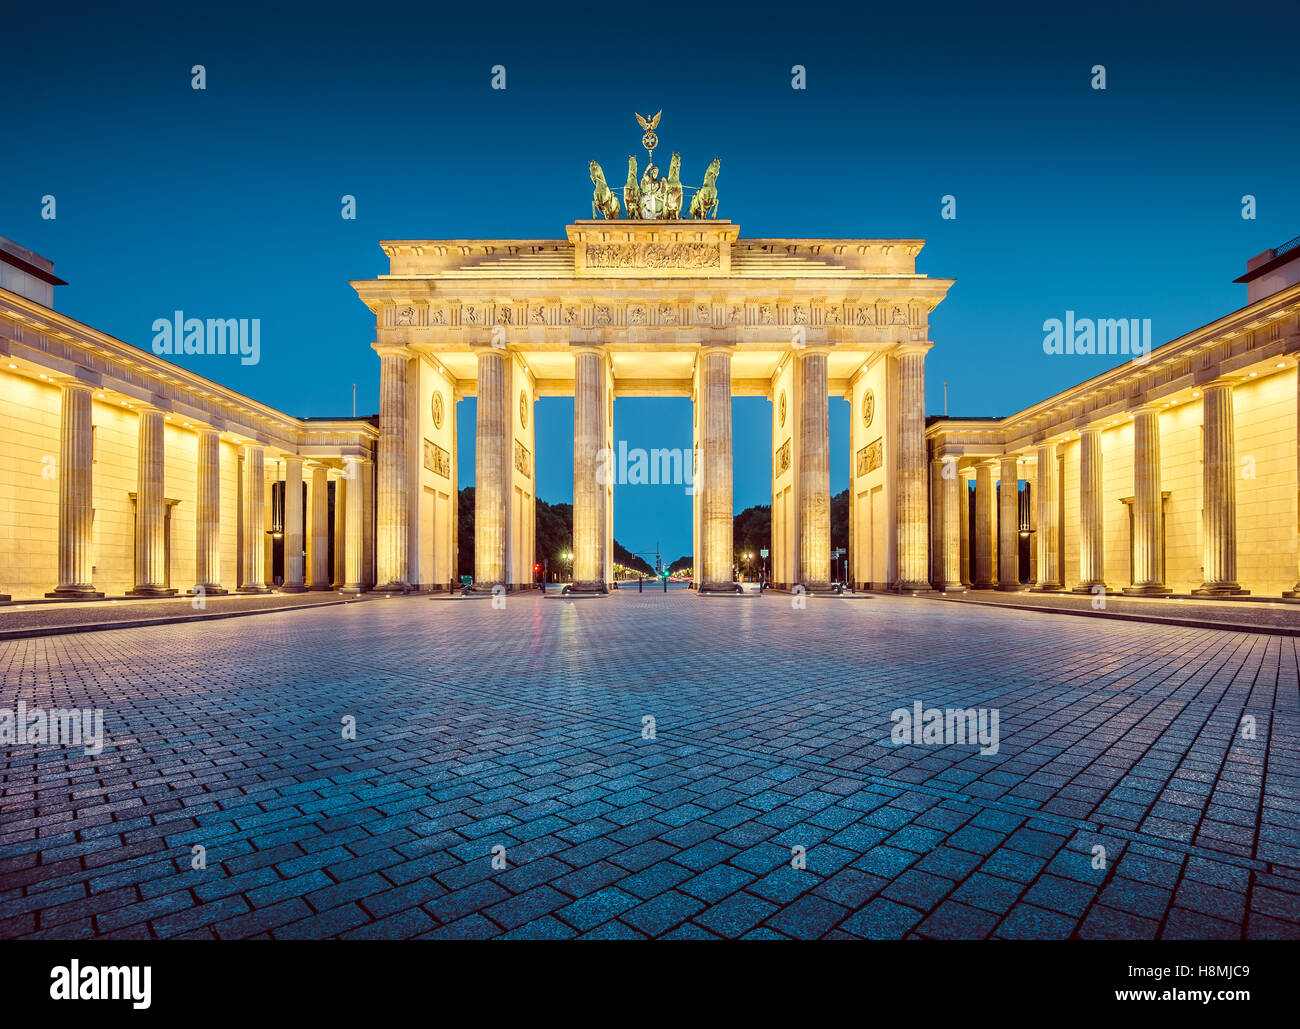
{"type": "Point", "coordinates": [310, 526]}
{"type": "Point", "coordinates": [995, 539]}
{"type": "Point", "coordinates": [712, 475]}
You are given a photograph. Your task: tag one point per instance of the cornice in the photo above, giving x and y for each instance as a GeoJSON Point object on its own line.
{"type": "Point", "coordinates": [72, 349]}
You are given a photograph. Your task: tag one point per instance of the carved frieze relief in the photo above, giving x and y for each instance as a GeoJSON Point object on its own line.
{"type": "Point", "coordinates": [783, 459]}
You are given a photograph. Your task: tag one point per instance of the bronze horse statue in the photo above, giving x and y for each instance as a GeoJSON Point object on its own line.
{"type": "Point", "coordinates": [673, 199]}
{"type": "Point", "coordinates": [705, 202]}
{"type": "Point", "coordinates": [603, 200]}
{"type": "Point", "coordinates": [631, 191]}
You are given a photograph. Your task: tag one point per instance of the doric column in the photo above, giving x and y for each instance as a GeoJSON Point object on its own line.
{"type": "Point", "coordinates": [1009, 525]}
{"type": "Point", "coordinates": [714, 482]}
{"type": "Point", "coordinates": [963, 496]}
{"type": "Point", "coordinates": [342, 487]}
{"type": "Point", "coordinates": [813, 484]}
{"type": "Point", "coordinates": [254, 520]}
{"type": "Point", "coordinates": [368, 520]}
{"type": "Point", "coordinates": [986, 529]}
{"type": "Point", "coordinates": [294, 571]}
{"type": "Point", "coordinates": [150, 507]}
{"type": "Point", "coordinates": [318, 543]}
{"type": "Point", "coordinates": [1219, 492]}
{"type": "Point", "coordinates": [1294, 593]}
{"type": "Point", "coordinates": [393, 441]}
{"type": "Point", "coordinates": [76, 493]}
{"type": "Point", "coordinates": [353, 579]}
{"type": "Point", "coordinates": [207, 514]}
{"type": "Point", "coordinates": [1148, 534]}
{"type": "Point", "coordinates": [591, 471]}
{"type": "Point", "coordinates": [951, 486]}
{"type": "Point", "coordinates": [492, 471]}
{"type": "Point", "coordinates": [935, 522]}
{"type": "Point", "coordinates": [913, 521]}
{"type": "Point", "coordinates": [1092, 533]}
{"type": "Point", "coordinates": [1048, 539]}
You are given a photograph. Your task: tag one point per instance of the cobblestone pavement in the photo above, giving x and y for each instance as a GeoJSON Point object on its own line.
{"type": "Point", "coordinates": [1242, 615]}
{"type": "Point", "coordinates": [38, 618]}
{"type": "Point", "coordinates": [522, 729]}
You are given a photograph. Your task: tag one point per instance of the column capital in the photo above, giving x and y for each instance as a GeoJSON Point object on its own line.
{"type": "Point", "coordinates": [392, 349]}
{"type": "Point", "coordinates": [915, 347]}
{"type": "Point", "coordinates": [812, 349]}
{"type": "Point", "coordinates": [71, 382]}
{"type": "Point", "coordinates": [989, 462]}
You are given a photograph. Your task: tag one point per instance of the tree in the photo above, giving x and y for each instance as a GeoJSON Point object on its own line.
{"type": "Point", "coordinates": [554, 537]}
{"type": "Point", "coordinates": [685, 561]}
{"type": "Point", "coordinates": [751, 533]}
{"type": "Point", "coordinates": [465, 532]}
{"type": "Point", "coordinates": [554, 534]}
{"type": "Point", "coordinates": [840, 520]}
{"type": "Point", "coordinates": [628, 559]}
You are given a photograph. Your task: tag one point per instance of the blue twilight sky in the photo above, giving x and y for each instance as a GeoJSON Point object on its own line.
{"type": "Point", "coordinates": [225, 203]}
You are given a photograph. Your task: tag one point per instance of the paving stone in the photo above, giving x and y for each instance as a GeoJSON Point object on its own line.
{"type": "Point", "coordinates": [227, 735]}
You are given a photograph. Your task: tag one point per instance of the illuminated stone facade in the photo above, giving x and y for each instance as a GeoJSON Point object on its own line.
{"type": "Point", "coordinates": [126, 473]}
{"type": "Point", "coordinates": [1174, 473]}
{"type": "Point", "coordinates": [97, 430]}
{"type": "Point", "coordinates": [645, 308]}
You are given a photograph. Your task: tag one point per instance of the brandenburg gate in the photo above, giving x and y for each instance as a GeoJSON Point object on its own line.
{"type": "Point", "coordinates": [651, 305]}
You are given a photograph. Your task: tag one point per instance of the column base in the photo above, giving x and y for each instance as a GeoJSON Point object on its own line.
{"type": "Point", "coordinates": [318, 588]}
{"type": "Point", "coordinates": [1220, 589]}
{"type": "Point", "coordinates": [208, 591]}
{"type": "Point", "coordinates": [73, 594]}
{"type": "Point", "coordinates": [1048, 587]}
{"type": "Point", "coordinates": [390, 587]}
{"type": "Point", "coordinates": [1150, 590]}
{"type": "Point", "coordinates": [254, 589]}
{"type": "Point", "coordinates": [955, 587]}
{"type": "Point", "coordinates": [5, 598]}
{"type": "Point", "coordinates": [351, 591]}
{"type": "Point", "coordinates": [293, 589]}
{"type": "Point", "coordinates": [1092, 587]}
{"type": "Point", "coordinates": [151, 591]}
{"type": "Point", "coordinates": [720, 587]}
{"type": "Point", "coordinates": [1292, 594]}
{"type": "Point", "coordinates": [984, 585]}
{"type": "Point", "coordinates": [1008, 588]}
